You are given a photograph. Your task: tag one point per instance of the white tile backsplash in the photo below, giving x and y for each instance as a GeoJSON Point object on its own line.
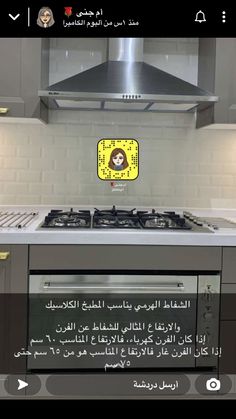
{"type": "Point", "coordinates": [56, 164]}
{"type": "Point", "coordinates": [73, 55]}
{"type": "Point", "coordinates": [29, 151]}
{"type": "Point", "coordinates": [179, 165]}
{"type": "Point", "coordinates": [41, 164]}
{"type": "Point", "coordinates": [25, 176]}
{"type": "Point", "coordinates": [176, 56]}
{"type": "Point", "coordinates": [14, 162]}
{"type": "Point", "coordinates": [7, 175]}
{"type": "Point", "coordinates": [54, 176]}
{"type": "Point", "coordinates": [6, 151]}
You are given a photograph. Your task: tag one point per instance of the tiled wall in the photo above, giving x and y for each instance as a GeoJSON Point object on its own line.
{"type": "Point", "coordinates": [179, 165]}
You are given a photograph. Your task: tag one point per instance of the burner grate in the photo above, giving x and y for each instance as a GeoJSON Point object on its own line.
{"type": "Point", "coordinates": [67, 219]}
{"type": "Point", "coordinates": [116, 221]}
{"type": "Point", "coordinates": [168, 220]}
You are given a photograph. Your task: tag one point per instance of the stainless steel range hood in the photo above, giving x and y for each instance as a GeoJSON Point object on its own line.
{"type": "Point", "coordinates": [126, 83]}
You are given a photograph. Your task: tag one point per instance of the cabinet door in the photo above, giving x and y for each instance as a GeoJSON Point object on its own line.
{"type": "Point", "coordinates": [13, 306]}
{"type": "Point", "coordinates": [227, 361]}
{"type": "Point", "coordinates": [23, 71]}
{"type": "Point", "coordinates": [10, 68]}
{"type": "Point", "coordinates": [4, 286]}
{"type": "Point", "coordinates": [4, 268]}
{"type": "Point", "coordinates": [229, 265]}
{"type": "Point", "coordinates": [10, 76]}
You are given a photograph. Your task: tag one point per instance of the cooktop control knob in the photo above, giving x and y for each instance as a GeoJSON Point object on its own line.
{"type": "Point", "coordinates": [208, 293]}
{"type": "Point", "coordinates": [208, 315]}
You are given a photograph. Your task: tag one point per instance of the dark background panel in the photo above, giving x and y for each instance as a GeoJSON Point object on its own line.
{"type": "Point", "coordinates": [162, 20]}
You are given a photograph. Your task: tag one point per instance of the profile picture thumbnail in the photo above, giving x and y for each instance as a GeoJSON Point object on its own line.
{"type": "Point", "coordinates": [45, 17]}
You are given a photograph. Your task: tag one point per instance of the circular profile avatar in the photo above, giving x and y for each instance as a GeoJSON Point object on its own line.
{"type": "Point", "coordinates": [118, 159]}
{"type": "Point", "coordinates": [45, 17]}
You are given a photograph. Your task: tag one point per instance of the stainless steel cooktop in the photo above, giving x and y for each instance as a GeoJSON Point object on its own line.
{"type": "Point", "coordinates": [118, 218]}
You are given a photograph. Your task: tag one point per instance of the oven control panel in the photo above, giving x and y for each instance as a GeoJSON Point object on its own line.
{"type": "Point", "coordinates": [208, 315]}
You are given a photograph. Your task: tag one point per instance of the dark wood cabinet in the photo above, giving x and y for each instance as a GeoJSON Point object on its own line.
{"type": "Point", "coordinates": [4, 268]}
{"type": "Point", "coordinates": [227, 362]}
{"type": "Point", "coordinates": [13, 305]}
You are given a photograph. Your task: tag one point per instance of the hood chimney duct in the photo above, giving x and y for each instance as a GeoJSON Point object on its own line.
{"type": "Point", "coordinates": [125, 49]}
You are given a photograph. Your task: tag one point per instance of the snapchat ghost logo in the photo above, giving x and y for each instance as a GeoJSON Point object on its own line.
{"type": "Point", "coordinates": [118, 159]}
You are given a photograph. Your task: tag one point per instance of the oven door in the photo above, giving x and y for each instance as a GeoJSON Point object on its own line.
{"type": "Point", "coordinates": [104, 322]}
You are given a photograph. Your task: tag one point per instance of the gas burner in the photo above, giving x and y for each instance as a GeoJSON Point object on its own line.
{"type": "Point", "coordinates": [104, 222]}
{"type": "Point", "coordinates": [115, 223]}
{"type": "Point", "coordinates": [168, 220]}
{"type": "Point", "coordinates": [68, 219]}
{"type": "Point", "coordinates": [157, 222]}
{"type": "Point", "coordinates": [115, 218]}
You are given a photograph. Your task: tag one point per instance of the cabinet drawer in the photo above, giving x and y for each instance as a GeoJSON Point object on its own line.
{"type": "Point", "coordinates": [121, 257]}
{"type": "Point", "coordinates": [15, 106]}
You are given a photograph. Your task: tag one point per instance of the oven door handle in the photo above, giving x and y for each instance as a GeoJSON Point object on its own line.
{"type": "Point", "coordinates": [174, 287]}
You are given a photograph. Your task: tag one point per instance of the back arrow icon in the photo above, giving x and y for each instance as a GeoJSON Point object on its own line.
{"type": "Point", "coordinates": [22, 384]}
{"type": "Point", "coordinates": [14, 17]}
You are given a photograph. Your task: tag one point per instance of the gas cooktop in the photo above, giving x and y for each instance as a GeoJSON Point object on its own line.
{"type": "Point", "coordinates": [116, 218]}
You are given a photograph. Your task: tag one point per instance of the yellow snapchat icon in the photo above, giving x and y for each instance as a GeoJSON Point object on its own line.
{"type": "Point", "coordinates": [118, 159]}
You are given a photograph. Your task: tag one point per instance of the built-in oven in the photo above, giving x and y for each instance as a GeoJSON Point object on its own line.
{"type": "Point", "coordinates": [98, 320]}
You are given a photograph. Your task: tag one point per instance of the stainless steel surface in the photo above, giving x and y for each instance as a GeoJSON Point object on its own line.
{"type": "Point", "coordinates": [218, 222]}
{"type": "Point", "coordinates": [213, 223]}
{"type": "Point", "coordinates": [198, 288]}
{"type": "Point", "coordinates": [16, 219]}
{"type": "Point", "coordinates": [125, 49]}
{"type": "Point", "coordinates": [126, 83]}
{"type": "Point", "coordinates": [89, 283]}
{"type": "Point", "coordinates": [116, 287]}
{"type": "Point", "coordinates": [208, 316]}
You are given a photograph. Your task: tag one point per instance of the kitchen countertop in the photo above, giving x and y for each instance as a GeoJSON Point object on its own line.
{"type": "Point", "coordinates": [33, 235]}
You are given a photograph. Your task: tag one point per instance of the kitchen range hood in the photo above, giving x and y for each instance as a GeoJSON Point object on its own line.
{"type": "Point", "coordinates": [217, 72]}
{"type": "Point", "coordinates": [126, 83]}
